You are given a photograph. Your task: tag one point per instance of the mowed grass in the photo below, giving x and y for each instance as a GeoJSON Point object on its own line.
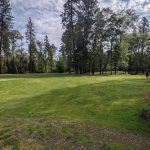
{"type": "Point", "coordinates": [108, 101]}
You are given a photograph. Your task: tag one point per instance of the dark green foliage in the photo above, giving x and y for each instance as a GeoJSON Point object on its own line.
{"type": "Point", "coordinates": [94, 40]}
{"type": "Point", "coordinates": [78, 18]}
{"type": "Point", "coordinates": [5, 25]}
{"type": "Point", "coordinates": [101, 39]}
{"type": "Point", "coordinates": [145, 113]}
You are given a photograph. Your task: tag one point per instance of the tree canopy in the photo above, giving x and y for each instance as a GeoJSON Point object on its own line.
{"type": "Point", "coordinates": [94, 40]}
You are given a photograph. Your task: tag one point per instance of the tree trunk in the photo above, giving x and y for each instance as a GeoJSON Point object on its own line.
{"type": "Point", "coordinates": [15, 66]}
{"type": "Point", "coordinates": [1, 40]}
{"type": "Point", "coordinates": [115, 70]}
{"type": "Point", "coordinates": [111, 71]}
{"type": "Point", "coordinates": [100, 69]}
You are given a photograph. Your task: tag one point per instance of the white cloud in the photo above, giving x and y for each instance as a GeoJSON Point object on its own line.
{"type": "Point", "coordinates": [46, 14]}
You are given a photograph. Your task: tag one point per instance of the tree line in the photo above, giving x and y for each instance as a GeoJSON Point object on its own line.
{"type": "Point", "coordinates": [14, 58]}
{"type": "Point", "coordinates": [94, 40]}
{"type": "Point", "coordinates": [102, 40]}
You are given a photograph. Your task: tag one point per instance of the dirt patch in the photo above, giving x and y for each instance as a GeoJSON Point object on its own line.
{"type": "Point", "coordinates": [43, 134]}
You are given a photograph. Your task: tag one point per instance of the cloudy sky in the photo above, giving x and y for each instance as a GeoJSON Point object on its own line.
{"type": "Point", "coordinates": [46, 14]}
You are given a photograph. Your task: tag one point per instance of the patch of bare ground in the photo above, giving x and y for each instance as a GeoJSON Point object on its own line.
{"type": "Point", "coordinates": [42, 134]}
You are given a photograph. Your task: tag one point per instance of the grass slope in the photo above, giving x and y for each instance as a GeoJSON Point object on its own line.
{"type": "Point", "coordinates": [109, 101]}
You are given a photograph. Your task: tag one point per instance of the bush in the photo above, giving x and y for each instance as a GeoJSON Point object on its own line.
{"type": "Point", "coordinates": [145, 113]}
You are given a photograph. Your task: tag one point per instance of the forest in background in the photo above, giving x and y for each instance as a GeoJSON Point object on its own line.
{"type": "Point", "coordinates": [94, 40]}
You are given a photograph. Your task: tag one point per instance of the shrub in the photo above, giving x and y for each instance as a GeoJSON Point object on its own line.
{"type": "Point", "coordinates": [145, 113]}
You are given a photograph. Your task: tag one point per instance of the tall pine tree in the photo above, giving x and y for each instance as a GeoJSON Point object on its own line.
{"type": "Point", "coordinates": [30, 35]}
{"type": "Point", "coordinates": [5, 24]}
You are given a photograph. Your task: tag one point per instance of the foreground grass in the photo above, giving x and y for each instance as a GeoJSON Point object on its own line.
{"type": "Point", "coordinates": [108, 101]}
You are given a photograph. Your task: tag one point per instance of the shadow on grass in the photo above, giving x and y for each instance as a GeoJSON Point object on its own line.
{"type": "Point", "coordinates": [111, 103]}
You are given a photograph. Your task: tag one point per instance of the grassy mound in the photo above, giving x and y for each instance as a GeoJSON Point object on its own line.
{"type": "Point", "coordinates": [108, 101]}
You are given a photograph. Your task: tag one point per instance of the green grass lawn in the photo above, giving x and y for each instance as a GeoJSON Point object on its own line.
{"type": "Point", "coordinates": [107, 101]}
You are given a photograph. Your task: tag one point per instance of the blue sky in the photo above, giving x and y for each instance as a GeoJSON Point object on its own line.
{"type": "Point", "coordinates": [46, 14]}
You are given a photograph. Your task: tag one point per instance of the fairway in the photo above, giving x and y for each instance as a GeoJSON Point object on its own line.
{"type": "Point", "coordinates": [51, 107]}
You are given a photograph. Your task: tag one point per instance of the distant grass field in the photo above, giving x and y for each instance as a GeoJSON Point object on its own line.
{"type": "Point", "coordinates": [28, 102]}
